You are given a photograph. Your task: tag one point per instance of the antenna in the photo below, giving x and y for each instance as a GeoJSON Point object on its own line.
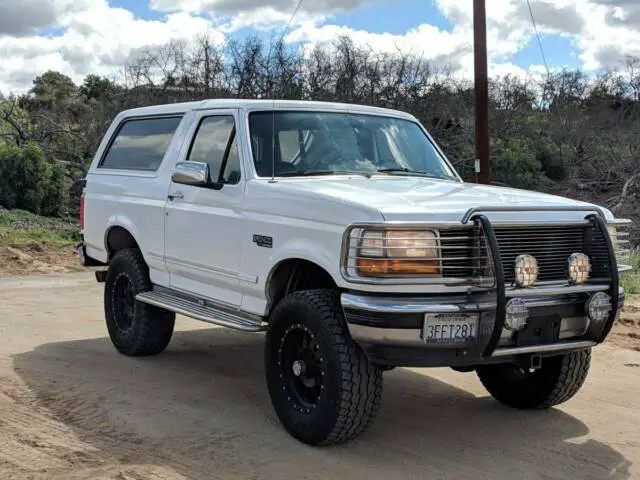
{"type": "Point", "coordinates": [273, 100]}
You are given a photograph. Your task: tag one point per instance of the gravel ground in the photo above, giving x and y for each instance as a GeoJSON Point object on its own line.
{"type": "Point", "coordinates": [72, 408]}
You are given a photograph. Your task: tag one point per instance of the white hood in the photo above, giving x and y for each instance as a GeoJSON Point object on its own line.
{"type": "Point", "coordinates": [400, 198]}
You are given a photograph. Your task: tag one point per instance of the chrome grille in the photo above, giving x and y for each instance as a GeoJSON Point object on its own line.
{"type": "Point", "coordinates": [465, 254]}
{"type": "Point", "coordinates": [552, 246]}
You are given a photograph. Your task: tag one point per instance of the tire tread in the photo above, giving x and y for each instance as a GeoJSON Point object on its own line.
{"type": "Point", "coordinates": [361, 381]}
{"type": "Point", "coordinates": [154, 325]}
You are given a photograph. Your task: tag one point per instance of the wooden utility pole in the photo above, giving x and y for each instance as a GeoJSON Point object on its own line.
{"type": "Point", "coordinates": [482, 170]}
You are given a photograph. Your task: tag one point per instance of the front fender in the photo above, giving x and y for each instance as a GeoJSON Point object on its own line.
{"type": "Point", "coordinates": [306, 249]}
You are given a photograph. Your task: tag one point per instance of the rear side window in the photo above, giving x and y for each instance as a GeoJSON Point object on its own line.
{"type": "Point", "coordinates": [141, 144]}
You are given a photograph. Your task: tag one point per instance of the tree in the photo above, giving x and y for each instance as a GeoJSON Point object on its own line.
{"type": "Point", "coordinates": [29, 182]}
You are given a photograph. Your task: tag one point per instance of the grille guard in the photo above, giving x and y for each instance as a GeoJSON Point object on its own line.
{"type": "Point", "coordinates": [490, 331]}
{"type": "Point", "coordinates": [476, 215]}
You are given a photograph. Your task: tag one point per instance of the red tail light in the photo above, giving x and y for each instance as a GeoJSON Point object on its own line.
{"type": "Point", "coordinates": [82, 211]}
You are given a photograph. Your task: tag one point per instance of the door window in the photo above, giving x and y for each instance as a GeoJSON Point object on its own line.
{"type": "Point", "coordinates": [215, 144]}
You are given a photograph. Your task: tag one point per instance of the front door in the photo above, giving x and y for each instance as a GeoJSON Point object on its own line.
{"type": "Point", "coordinates": [202, 225]}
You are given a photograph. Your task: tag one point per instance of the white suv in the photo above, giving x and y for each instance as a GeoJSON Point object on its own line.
{"type": "Point", "coordinates": [345, 234]}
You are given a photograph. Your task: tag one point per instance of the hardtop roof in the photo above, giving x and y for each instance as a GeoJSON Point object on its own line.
{"type": "Point", "coordinates": [250, 104]}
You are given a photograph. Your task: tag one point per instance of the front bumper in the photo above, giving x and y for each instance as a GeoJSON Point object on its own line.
{"type": "Point", "coordinates": [390, 329]}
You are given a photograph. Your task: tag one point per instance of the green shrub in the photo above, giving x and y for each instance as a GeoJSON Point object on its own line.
{"type": "Point", "coordinates": [28, 181]}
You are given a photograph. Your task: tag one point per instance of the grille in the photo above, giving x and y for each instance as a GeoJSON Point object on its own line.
{"type": "Point", "coordinates": [460, 251]}
{"type": "Point", "coordinates": [552, 246]}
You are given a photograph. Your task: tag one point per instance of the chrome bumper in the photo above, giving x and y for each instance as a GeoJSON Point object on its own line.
{"type": "Point", "coordinates": [377, 323]}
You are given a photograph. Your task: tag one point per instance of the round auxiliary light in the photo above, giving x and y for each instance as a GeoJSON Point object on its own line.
{"type": "Point", "coordinates": [526, 270]}
{"type": "Point", "coordinates": [516, 315]}
{"type": "Point", "coordinates": [578, 268]}
{"type": "Point", "coordinates": [598, 307]}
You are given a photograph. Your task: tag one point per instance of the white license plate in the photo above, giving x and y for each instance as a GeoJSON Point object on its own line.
{"type": "Point", "coordinates": [450, 327]}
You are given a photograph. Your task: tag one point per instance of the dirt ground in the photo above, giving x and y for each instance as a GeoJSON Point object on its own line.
{"type": "Point", "coordinates": [72, 408]}
{"type": "Point", "coordinates": [36, 259]}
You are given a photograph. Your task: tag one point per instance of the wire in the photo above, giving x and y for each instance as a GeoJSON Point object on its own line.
{"type": "Point", "coordinates": [295, 11]}
{"type": "Point", "coordinates": [535, 28]}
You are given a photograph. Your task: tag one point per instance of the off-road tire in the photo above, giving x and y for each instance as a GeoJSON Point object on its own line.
{"type": "Point", "coordinates": [351, 386]}
{"type": "Point", "coordinates": [151, 327]}
{"type": "Point", "coordinates": [557, 381]}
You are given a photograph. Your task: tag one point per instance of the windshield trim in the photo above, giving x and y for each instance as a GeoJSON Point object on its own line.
{"type": "Point", "coordinates": [396, 114]}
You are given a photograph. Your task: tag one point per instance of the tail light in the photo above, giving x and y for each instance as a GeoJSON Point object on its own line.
{"type": "Point", "coordinates": [82, 211]}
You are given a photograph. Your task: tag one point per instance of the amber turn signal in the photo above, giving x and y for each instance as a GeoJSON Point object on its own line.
{"type": "Point", "coordinates": [380, 266]}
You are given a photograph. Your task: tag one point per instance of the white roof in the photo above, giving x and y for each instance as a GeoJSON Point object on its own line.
{"type": "Point", "coordinates": [246, 104]}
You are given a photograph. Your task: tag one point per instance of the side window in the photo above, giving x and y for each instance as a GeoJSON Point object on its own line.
{"type": "Point", "coordinates": [214, 135]}
{"type": "Point", "coordinates": [140, 144]}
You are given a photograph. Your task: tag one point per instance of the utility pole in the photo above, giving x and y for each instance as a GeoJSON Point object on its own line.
{"type": "Point", "coordinates": [482, 164]}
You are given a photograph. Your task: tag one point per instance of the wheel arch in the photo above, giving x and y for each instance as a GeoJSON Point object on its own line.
{"type": "Point", "coordinates": [118, 237]}
{"type": "Point", "coordinates": [293, 274]}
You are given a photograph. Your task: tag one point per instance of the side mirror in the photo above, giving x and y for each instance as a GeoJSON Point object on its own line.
{"type": "Point", "coordinates": [191, 173]}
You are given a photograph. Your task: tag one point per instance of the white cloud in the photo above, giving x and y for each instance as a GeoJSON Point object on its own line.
{"type": "Point", "coordinates": [97, 39]}
{"type": "Point", "coordinates": [604, 31]}
{"type": "Point", "coordinates": [266, 18]}
{"type": "Point", "coordinates": [234, 7]}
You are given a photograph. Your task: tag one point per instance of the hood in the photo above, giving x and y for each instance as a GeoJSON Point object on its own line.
{"type": "Point", "coordinates": [400, 198]}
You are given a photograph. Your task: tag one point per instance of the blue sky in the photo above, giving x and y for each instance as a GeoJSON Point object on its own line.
{"type": "Point", "coordinates": [78, 37]}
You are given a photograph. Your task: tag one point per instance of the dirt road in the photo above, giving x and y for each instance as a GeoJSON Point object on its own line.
{"type": "Point", "coordinates": [72, 408]}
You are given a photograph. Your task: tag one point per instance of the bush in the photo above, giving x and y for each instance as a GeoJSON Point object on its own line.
{"type": "Point", "coordinates": [516, 164]}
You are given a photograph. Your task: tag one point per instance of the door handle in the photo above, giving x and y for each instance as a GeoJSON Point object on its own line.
{"type": "Point", "coordinates": [174, 195]}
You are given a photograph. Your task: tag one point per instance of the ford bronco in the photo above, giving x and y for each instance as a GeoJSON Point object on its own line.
{"type": "Point", "coordinates": [345, 235]}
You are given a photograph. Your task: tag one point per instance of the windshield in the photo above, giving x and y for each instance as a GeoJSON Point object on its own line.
{"type": "Point", "coordinates": [327, 142]}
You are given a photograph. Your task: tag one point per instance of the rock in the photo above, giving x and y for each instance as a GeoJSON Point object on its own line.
{"type": "Point", "coordinates": [18, 254]}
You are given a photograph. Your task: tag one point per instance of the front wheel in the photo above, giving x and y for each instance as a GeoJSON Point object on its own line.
{"type": "Point", "coordinates": [557, 381]}
{"type": "Point", "coordinates": [322, 385]}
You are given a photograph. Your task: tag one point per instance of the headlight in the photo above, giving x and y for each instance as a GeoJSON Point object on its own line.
{"type": "Point", "coordinates": [398, 252]}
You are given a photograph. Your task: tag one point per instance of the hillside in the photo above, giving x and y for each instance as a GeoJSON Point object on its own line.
{"type": "Point", "coordinates": [30, 244]}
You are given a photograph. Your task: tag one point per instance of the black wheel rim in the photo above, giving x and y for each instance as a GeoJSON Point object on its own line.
{"type": "Point", "coordinates": [301, 366]}
{"type": "Point", "coordinates": [123, 302]}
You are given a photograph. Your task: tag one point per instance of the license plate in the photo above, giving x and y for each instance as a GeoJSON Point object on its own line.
{"type": "Point", "coordinates": [450, 327]}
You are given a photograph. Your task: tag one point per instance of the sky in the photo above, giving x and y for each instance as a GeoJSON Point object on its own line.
{"type": "Point", "coordinates": [78, 37]}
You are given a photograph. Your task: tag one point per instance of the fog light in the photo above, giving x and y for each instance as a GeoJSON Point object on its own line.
{"type": "Point", "coordinates": [517, 314]}
{"type": "Point", "coordinates": [526, 270]}
{"type": "Point", "coordinates": [598, 307]}
{"type": "Point", "coordinates": [578, 267]}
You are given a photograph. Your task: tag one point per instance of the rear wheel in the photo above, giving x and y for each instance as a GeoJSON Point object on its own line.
{"type": "Point", "coordinates": [322, 385]}
{"type": "Point", "coordinates": [135, 328]}
{"type": "Point", "coordinates": [557, 381]}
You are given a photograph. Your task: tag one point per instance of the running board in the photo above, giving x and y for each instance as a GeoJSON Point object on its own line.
{"type": "Point", "coordinates": [204, 310]}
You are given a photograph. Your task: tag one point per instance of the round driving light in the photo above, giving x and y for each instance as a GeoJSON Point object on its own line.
{"type": "Point", "coordinates": [526, 270]}
{"type": "Point", "coordinates": [517, 314]}
{"type": "Point", "coordinates": [578, 267]}
{"type": "Point", "coordinates": [599, 307]}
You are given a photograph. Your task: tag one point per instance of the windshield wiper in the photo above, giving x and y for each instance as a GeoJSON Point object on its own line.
{"type": "Point", "coordinates": [411, 172]}
{"type": "Point", "coordinates": [308, 173]}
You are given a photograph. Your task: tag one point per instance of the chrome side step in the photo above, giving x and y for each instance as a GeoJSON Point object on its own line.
{"type": "Point", "coordinates": [204, 310]}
